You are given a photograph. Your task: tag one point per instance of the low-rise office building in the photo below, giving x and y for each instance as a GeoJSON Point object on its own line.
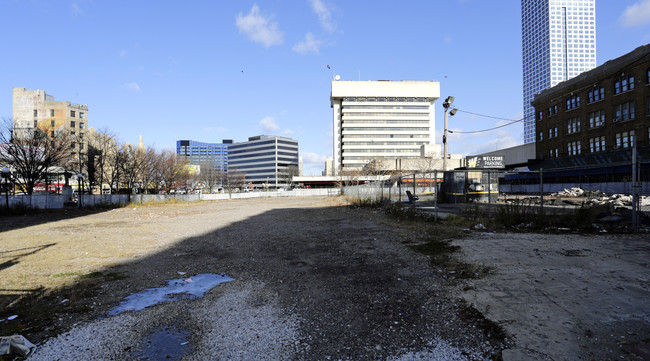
{"type": "Point", "coordinates": [264, 160]}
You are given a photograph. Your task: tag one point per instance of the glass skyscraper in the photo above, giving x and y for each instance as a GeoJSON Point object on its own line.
{"type": "Point", "coordinates": [558, 42]}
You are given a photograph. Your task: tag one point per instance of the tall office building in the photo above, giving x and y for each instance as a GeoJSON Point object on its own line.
{"type": "Point", "coordinates": [199, 153]}
{"type": "Point", "coordinates": [559, 42]}
{"type": "Point", "coordinates": [264, 160]}
{"type": "Point", "coordinates": [381, 120]}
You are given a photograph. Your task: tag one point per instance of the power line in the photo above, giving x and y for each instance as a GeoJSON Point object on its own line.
{"type": "Point", "coordinates": [511, 121]}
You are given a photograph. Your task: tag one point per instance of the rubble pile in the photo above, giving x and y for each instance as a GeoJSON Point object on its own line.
{"type": "Point", "coordinates": [599, 198]}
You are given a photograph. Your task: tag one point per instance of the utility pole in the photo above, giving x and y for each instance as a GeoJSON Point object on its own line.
{"type": "Point", "coordinates": [446, 105]}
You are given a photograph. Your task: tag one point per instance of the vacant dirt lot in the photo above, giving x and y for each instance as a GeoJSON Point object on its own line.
{"type": "Point", "coordinates": [314, 280]}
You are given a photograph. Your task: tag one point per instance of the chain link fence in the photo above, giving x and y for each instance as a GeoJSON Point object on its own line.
{"type": "Point", "coordinates": [627, 187]}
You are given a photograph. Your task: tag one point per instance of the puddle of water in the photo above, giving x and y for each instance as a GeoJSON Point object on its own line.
{"type": "Point", "coordinates": [166, 344]}
{"type": "Point", "coordinates": [181, 288]}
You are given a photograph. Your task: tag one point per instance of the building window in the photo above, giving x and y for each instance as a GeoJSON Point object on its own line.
{"type": "Point", "coordinates": [574, 148]}
{"type": "Point", "coordinates": [624, 111]}
{"type": "Point", "coordinates": [72, 113]}
{"type": "Point", "coordinates": [81, 115]}
{"type": "Point", "coordinates": [35, 123]}
{"type": "Point", "coordinates": [573, 125]}
{"type": "Point", "coordinates": [35, 112]}
{"type": "Point", "coordinates": [81, 146]}
{"type": "Point", "coordinates": [597, 144]}
{"type": "Point", "coordinates": [573, 102]}
{"type": "Point", "coordinates": [540, 115]}
{"type": "Point", "coordinates": [52, 123]}
{"type": "Point", "coordinates": [541, 136]}
{"type": "Point", "coordinates": [72, 124]}
{"type": "Point", "coordinates": [81, 125]}
{"type": "Point", "coordinates": [624, 139]}
{"type": "Point", "coordinates": [555, 131]}
{"type": "Point", "coordinates": [647, 76]}
{"type": "Point", "coordinates": [595, 94]}
{"type": "Point", "coordinates": [72, 134]}
{"type": "Point", "coordinates": [623, 84]}
{"type": "Point", "coordinates": [51, 112]}
{"type": "Point", "coordinates": [596, 119]}
{"type": "Point", "coordinates": [72, 145]}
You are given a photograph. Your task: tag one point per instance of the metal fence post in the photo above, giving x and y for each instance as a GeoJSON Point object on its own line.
{"type": "Point", "coordinates": [541, 190]}
{"type": "Point", "coordinates": [414, 194]}
{"type": "Point", "coordinates": [489, 193]}
{"type": "Point", "coordinates": [635, 195]}
{"type": "Point", "coordinates": [435, 200]}
{"type": "Point", "coordinates": [399, 189]}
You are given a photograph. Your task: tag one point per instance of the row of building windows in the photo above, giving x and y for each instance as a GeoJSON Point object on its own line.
{"type": "Point", "coordinates": [621, 85]}
{"type": "Point", "coordinates": [72, 113]}
{"type": "Point", "coordinates": [383, 143]}
{"type": "Point", "coordinates": [387, 114]}
{"type": "Point", "coordinates": [381, 150]}
{"type": "Point", "coordinates": [348, 136]}
{"type": "Point", "coordinates": [385, 99]}
{"type": "Point", "coordinates": [379, 121]}
{"type": "Point", "coordinates": [392, 129]}
{"type": "Point", "coordinates": [396, 107]}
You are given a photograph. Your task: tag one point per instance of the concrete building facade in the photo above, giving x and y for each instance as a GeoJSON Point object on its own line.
{"type": "Point", "coordinates": [598, 112]}
{"type": "Point", "coordinates": [264, 160]}
{"type": "Point", "coordinates": [381, 120]}
{"type": "Point", "coordinates": [35, 111]}
{"type": "Point", "coordinates": [558, 43]}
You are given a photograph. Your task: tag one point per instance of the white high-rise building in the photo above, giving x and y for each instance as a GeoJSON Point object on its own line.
{"type": "Point", "coordinates": [381, 120]}
{"type": "Point", "coordinates": [559, 42]}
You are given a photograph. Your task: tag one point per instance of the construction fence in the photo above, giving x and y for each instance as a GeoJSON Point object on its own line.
{"type": "Point", "coordinates": [630, 189]}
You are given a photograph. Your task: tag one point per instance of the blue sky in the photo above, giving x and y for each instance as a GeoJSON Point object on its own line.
{"type": "Point", "coordinates": [213, 70]}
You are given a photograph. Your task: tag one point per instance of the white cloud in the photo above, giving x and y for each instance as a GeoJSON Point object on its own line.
{"type": "Point", "coordinates": [309, 45]}
{"type": "Point", "coordinates": [324, 15]}
{"type": "Point", "coordinates": [287, 132]}
{"type": "Point", "coordinates": [268, 124]}
{"type": "Point", "coordinates": [636, 15]}
{"type": "Point", "coordinates": [76, 10]}
{"type": "Point", "coordinates": [132, 86]}
{"type": "Point", "coordinates": [122, 53]}
{"type": "Point", "coordinates": [313, 159]}
{"type": "Point", "coordinates": [258, 28]}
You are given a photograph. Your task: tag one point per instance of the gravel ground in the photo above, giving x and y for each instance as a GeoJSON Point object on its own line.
{"type": "Point", "coordinates": [314, 280]}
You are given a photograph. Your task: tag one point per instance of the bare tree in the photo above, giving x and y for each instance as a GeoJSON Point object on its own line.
{"type": "Point", "coordinates": [172, 170]}
{"type": "Point", "coordinates": [211, 175]}
{"type": "Point", "coordinates": [287, 174]}
{"type": "Point", "coordinates": [31, 156]}
{"type": "Point", "coordinates": [149, 175]}
{"type": "Point", "coordinates": [235, 180]}
{"type": "Point", "coordinates": [101, 148]}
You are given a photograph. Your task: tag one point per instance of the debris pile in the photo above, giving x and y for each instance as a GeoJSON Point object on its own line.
{"type": "Point", "coordinates": [599, 198]}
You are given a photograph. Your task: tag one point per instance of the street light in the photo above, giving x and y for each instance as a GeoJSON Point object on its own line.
{"type": "Point", "coordinates": [446, 105]}
{"type": "Point", "coordinates": [5, 174]}
{"type": "Point", "coordinates": [79, 185]}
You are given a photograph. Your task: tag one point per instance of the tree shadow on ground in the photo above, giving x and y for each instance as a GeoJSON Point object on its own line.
{"type": "Point", "coordinates": [353, 283]}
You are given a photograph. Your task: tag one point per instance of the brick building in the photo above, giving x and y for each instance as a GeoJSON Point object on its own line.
{"type": "Point", "coordinates": [596, 118]}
